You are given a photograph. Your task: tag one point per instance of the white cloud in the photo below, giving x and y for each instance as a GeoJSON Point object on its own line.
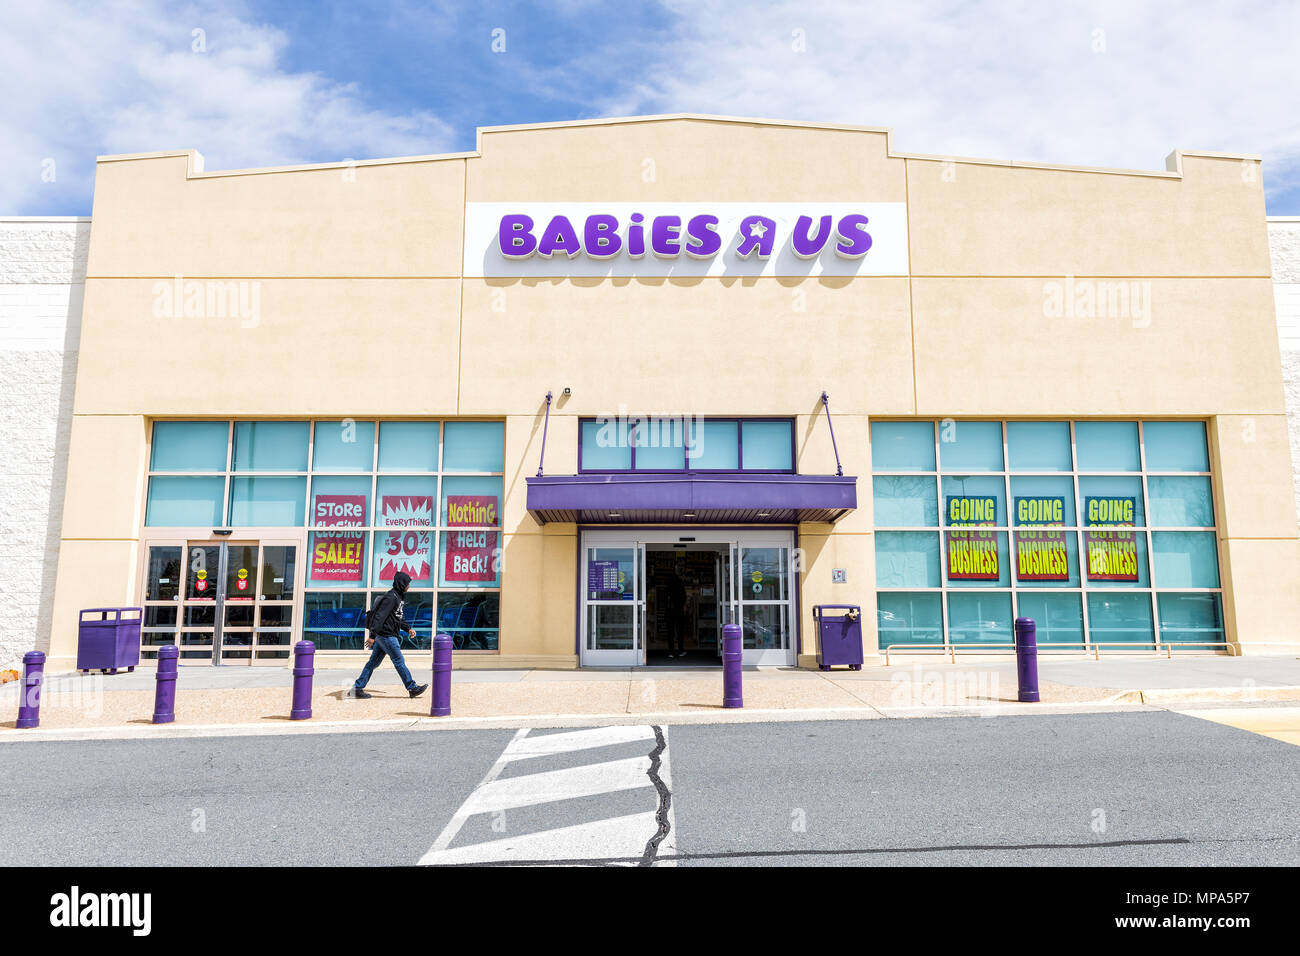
{"type": "Point", "coordinates": [126, 77]}
{"type": "Point", "coordinates": [1028, 81]}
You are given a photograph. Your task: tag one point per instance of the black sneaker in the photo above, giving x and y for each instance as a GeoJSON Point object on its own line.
{"type": "Point", "coordinates": [418, 689]}
{"type": "Point", "coordinates": [360, 694]}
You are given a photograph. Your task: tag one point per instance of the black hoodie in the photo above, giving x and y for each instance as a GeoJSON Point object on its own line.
{"type": "Point", "coordinates": [396, 624]}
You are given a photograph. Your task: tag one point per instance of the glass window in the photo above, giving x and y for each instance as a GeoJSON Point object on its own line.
{"type": "Point", "coordinates": [163, 574]}
{"type": "Point", "coordinates": [715, 446]}
{"type": "Point", "coordinates": [606, 445]}
{"type": "Point", "coordinates": [471, 502]}
{"type": "Point", "coordinates": [474, 446]}
{"type": "Point", "coordinates": [189, 446]}
{"type": "Point", "coordinates": [902, 446]}
{"type": "Point", "coordinates": [909, 617]}
{"type": "Point", "coordinates": [980, 617]}
{"type": "Point", "coordinates": [903, 501]}
{"type": "Point", "coordinates": [265, 502]}
{"type": "Point", "coordinates": [1175, 446]}
{"type": "Point", "coordinates": [406, 501]}
{"type": "Point", "coordinates": [1042, 501]}
{"type": "Point", "coordinates": [1120, 618]}
{"type": "Point", "coordinates": [185, 502]}
{"type": "Point", "coordinates": [970, 446]}
{"type": "Point", "coordinates": [1046, 558]}
{"type": "Point", "coordinates": [1039, 446]}
{"type": "Point", "coordinates": [1111, 501]}
{"type": "Point", "coordinates": [661, 445]}
{"type": "Point", "coordinates": [278, 566]}
{"type": "Point", "coordinates": [1185, 559]}
{"type": "Point", "coordinates": [1107, 446]}
{"type": "Point", "coordinates": [907, 559]}
{"type": "Point", "coordinates": [610, 574]}
{"type": "Point", "coordinates": [763, 626]}
{"type": "Point", "coordinates": [417, 611]}
{"type": "Point", "coordinates": [270, 446]}
{"type": "Point", "coordinates": [408, 446]}
{"type": "Point", "coordinates": [339, 501]}
{"type": "Point", "coordinates": [1180, 502]}
{"type": "Point", "coordinates": [343, 446]}
{"type": "Point", "coordinates": [470, 619]}
{"type": "Point", "coordinates": [1116, 558]}
{"type": "Point", "coordinates": [974, 501]}
{"type": "Point", "coordinates": [767, 446]}
{"type": "Point", "coordinates": [337, 559]}
{"type": "Point", "coordinates": [976, 559]}
{"type": "Point", "coordinates": [763, 574]}
{"type": "Point", "coordinates": [335, 620]}
{"type": "Point", "coordinates": [469, 558]}
{"type": "Point", "coordinates": [1058, 617]}
{"type": "Point", "coordinates": [1191, 617]}
{"type": "Point", "coordinates": [402, 549]}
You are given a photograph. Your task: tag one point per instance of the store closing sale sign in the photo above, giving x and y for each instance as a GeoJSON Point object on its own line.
{"type": "Point", "coordinates": [471, 555]}
{"type": "Point", "coordinates": [338, 556]}
{"type": "Point", "coordinates": [406, 550]}
{"type": "Point", "coordinates": [1112, 555]}
{"type": "Point", "coordinates": [972, 555]}
{"type": "Point", "coordinates": [1041, 555]}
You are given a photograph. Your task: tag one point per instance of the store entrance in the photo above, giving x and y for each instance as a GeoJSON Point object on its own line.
{"type": "Point", "coordinates": [685, 604]}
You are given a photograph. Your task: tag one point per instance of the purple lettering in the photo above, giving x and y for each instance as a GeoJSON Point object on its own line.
{"type": "Point", "coordinates": [702, 239]}
{"type": "Point", "coordinates": [636, 237]}
{"type": "Point", "coordinates": [809, 247]}
{"type": "Point", "coordinates": [665, 238]}
{"type": "Point", "coordinates": [758, 233]}
{"type": "Point", "coordinates": [600, 236]}
{"type": "Point", "coordinates": [854, 240]}
{"type": "Point", "coordinates": [560, 237]}
{"type": "Point", "coordinates": [515, 236]}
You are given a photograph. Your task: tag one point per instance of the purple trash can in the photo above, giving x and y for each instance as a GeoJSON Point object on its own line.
{"type": "Point", "coordinates": [839, 636]}
{"type": "Point", "coordinates": [108, 639]}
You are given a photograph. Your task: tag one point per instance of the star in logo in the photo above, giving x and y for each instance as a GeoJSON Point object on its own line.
{"type": "Point", "coordinates": [757, 230]}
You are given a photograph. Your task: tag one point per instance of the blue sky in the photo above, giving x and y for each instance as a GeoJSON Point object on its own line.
{"type": "Point", "coordinates": [253, 84]}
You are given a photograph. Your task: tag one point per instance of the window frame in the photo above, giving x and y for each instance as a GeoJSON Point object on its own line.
{"type": "Point", "coordinates": [636, 420]}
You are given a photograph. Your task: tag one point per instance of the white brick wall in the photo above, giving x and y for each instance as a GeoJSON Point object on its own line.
{"type": "Point", "coordinates": [42, 278]}
{"type": "Point", "coordinates": [1284, 247]}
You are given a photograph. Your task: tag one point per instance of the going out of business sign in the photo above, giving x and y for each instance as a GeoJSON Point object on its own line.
{"type": "Point", "coordinates": [505, 240]}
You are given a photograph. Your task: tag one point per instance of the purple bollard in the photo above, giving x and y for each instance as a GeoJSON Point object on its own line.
{"type": "Point", "coordinates": [441, 676]}
{"type": "Point", "coordinates": [1027, 659]}
{"type": "Point", "coordinates": [304, 660]}
{"type": "Point", "coordinates": [29, 706]}
{"type": "Point", "coordinates": [732, 653]}
{"type": "Point", "coordinates": [164, 694]}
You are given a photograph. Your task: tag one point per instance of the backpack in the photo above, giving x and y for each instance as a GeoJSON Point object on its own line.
{"type": "Point", "coordinates": [380, 614]}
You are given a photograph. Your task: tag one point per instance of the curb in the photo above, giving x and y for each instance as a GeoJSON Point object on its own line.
{"type": "Point", "coordinates": [1206, 695]}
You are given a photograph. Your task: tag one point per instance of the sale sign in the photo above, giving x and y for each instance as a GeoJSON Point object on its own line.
{"type": "Point", "coordinates": [1041, 555]}
{"type": "Point", "coordinates": [337, 556]}
{"type": "Point", "coordinates": [470, 556]}
{"type": "Point", "coordinates": [1112, 555]}
{"type": "Point", "coordinates": [406, 511]}
{"type": "Point", "coordinates": [972, 555]}
{"type": "Point", "coordinates": [409, 551]}
{"type": "Point", "coordinates": [339, 511]}
{"type": "Point", "coordinates": [471, 510]}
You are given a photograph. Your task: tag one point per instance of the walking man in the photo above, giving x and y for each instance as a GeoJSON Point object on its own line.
{"type": "Point", "coordinates": [386, 624]}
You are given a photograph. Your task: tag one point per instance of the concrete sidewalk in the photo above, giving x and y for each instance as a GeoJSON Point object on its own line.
{"type": "Point", "coordinates": [234, 696]}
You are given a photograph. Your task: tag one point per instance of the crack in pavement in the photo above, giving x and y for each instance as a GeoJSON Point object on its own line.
{"type": "Point", "coordinates": [665, 798]}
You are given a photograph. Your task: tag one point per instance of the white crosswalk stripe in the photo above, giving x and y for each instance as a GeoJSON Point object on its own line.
{"type": "Point", "coordinates": [624, 838]}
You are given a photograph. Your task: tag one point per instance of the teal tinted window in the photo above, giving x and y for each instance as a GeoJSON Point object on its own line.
{"type": "Point", "coordinates": [715, 446]}
{"type": "Point", "coordinates": [1175, 446]}
{"type": "Point", "coordinates": [1035, 501]}
{"type": "Point", "coordinates": [408, 446]}
{"type": "Point", "coordinates": [661, 445]}
{"type": "Point", "coordinates": [903, 501]}
{"type": "Point", "coordinates": [767, 446]}
{"type": "Point", "coordinates": [1120, 618]}
{"type": "Point", "coordinates": [270, 446]}
{"type": "Point", "coordinates": [976, 559]}
{"type": "Point", "coordinates": [1110, 495]}
{"type": "Point", "coordinates": [606, 445]}
{"type": "Point", "coordinates": [339, 501]}
{"type": "Point", "coordinates": [1047, 558]}
{"type": "Point", "coordinates": [189, 446]}
{"type": "Point", "coordinates": [474, 446]}
{"type": "Point", "coordinates": [334, 621]}
{"type": "Point", "coordinates": [274, 501]}
{"type": "Point", "coordinates": [1038, 446]}
{"type": "Point", "coordinates": [1191, 617]}
{"type": "Point", "coordinates": [1058, 618]}
{"type": "Point", "coordinates": [975, 618]}
{"type": "Point", "coordinates": [970, 446]}
{"type": "Point", "coordinates": [402, 549]}
{"type": "Point", "coordinates": [902, 446]}
{"type": "Point", "coordinates": [408, 501]}
{"type": "Point", "coordinates": [471, 620]}
{"type": "Point", "coordinates": [1180, 502]}
{"type": "Point", "coordinates": [469, 559]}
{"type": "Point", "coordinates": [343, 446]}
{"type": "Point", "coordinates": [909, 618]}
{"type": "Point", "coordinates": [1115, 558]}
{"type": "Point", "coordinates": [907, 559]}
{"type": "Point", "coordinates": [1185, 559]}
{"type": "Point", "coordinates": [471, 501]}
{"type": "Point", "coordinates": [1107, 446]}
{"type": "Point", "coordinates": [966, 500]}
{"type": "Point", "coordinates": [337, 560]}
{"type": "Point", "coordinates": [185, 502]}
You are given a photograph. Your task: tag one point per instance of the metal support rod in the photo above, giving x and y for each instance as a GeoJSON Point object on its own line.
{"type": "Point", "coordinates": [826, 403]}
{"type": "Point", "coordinates": [545, 425]}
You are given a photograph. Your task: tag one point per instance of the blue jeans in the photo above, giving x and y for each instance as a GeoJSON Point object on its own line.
{"type": "Point", "coordinates": [393, 648]}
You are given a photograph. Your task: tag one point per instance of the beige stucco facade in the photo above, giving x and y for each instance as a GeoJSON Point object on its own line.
{"type": "Point", "coordinates": [359, 267]}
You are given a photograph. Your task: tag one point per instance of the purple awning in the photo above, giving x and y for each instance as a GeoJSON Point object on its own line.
{"type": "Point", "coordinates": [731, 497]}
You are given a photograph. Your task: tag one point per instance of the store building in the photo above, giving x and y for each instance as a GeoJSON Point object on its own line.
{"type": "Point", "coordinates": [595, 371]}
